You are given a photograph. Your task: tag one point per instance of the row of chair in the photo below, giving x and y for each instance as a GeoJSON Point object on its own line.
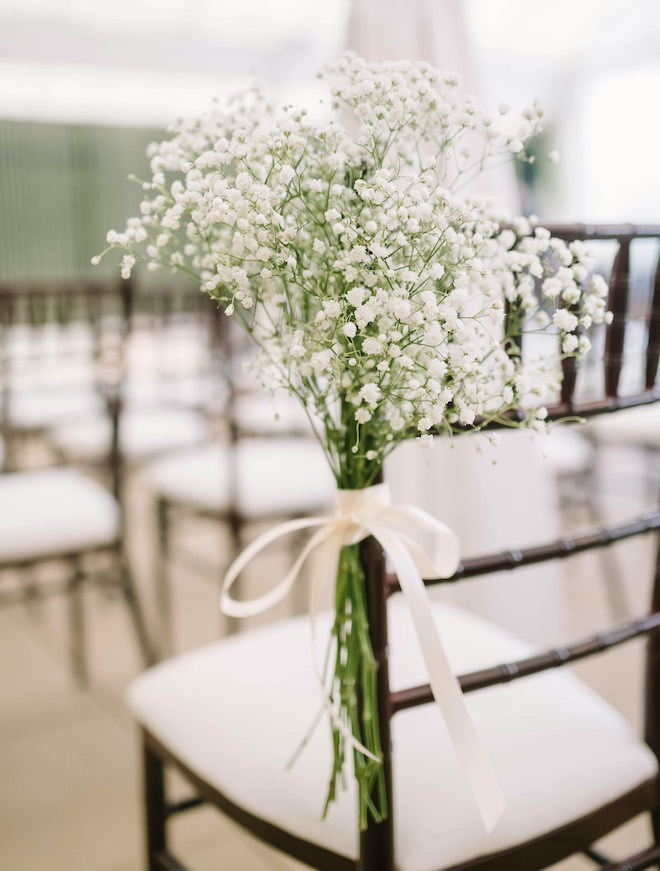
{"type": "Point", "coordinates": [111, 377]}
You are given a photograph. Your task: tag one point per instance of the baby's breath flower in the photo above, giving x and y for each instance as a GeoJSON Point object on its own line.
{"type": "Point", "coordinates": [376, 289]}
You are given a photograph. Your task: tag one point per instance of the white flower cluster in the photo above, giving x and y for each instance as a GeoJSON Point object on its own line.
{"type": "Point", "coordinates": [384, 299]}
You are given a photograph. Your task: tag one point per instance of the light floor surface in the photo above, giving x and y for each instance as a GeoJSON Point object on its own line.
{"type": "Point", "coordinates": [69, 764]}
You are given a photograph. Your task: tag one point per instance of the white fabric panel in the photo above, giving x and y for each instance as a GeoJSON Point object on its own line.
{"type": "Point", "coordinates": [634, 426]}
{"type": "Point", "coordinates": [55, 511]}
{"type": "Point", "coordinates": [143, 433]}
{"type": "Point", "coordinates": [566, 450]}
{"type": "Point", "coordinates": [494, 498]}
{"type": "Point", "coordinates": [261, 477]}
{"type": "Point", "coordinates": [236, 710]}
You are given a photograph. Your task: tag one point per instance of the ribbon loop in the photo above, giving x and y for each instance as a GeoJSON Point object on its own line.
{"type": "Point", "coordinates": [358, 514]}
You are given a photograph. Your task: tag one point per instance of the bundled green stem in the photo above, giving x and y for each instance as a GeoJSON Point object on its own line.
{"type": "Point", "coordinates": [354, 691]}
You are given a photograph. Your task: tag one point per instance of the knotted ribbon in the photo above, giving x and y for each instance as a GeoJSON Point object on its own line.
{"type": "Point", "coordinates": [359, 514]}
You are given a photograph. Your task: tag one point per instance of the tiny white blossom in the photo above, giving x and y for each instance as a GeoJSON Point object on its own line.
{"type": "Point", "coordinates": [127, 264]}
{"type": "Point", "coordinates": [371, 393]}
{"type": "Point", "coordinates": [286, 174]}
{"type": "Point", "coordinates": [564, 319]}
{"type": "Point", "coordinates": [356, 296]}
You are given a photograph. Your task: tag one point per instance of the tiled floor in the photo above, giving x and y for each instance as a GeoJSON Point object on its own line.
{"type": "Point", "coordinates": [68, 758]}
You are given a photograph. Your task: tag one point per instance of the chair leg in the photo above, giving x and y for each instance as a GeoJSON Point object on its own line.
{"type": "Point", "coordinates": [133, 602]}
{"type": "Point", "coordinates": [163, 584]}
{"type": "Point", "coordinates": [235, 524]}
{"type": "Point", "coordinates": [155, 807]}
{"type": "Point", "coordinates": [77, 626]}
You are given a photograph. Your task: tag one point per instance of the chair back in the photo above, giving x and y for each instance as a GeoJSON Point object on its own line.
{"type": "Point", "coordinates": [61, 348]}
{"type": "Point", "coordinates": [622, 373]}
{"type": "Point", "coordinates": [177, 348]}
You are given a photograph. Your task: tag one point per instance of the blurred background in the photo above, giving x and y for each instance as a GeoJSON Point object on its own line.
{"type": "Point", "coordinates": [85, 86]}
{"type": "Point", "coordinates": [143, 395]}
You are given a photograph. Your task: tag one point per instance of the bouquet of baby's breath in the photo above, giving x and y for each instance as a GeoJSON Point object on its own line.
{"type": "Point", "coordinates": [375, 290]}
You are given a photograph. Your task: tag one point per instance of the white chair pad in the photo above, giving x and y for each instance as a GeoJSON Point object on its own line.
{"type": "Point", "coordinates": [54, 511]}
{"type": "Point", "coordinates": [271, 476]}
{"type": "Point", "coordinates": [39, 408]}
{"type": "Point", "coordinates": [236, 710]}
{"type": "Point", "coordinates": [143, 434]}
{"type": "Point", "coordinates": [633, 426]}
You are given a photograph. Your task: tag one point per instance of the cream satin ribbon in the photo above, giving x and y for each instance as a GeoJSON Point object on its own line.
{"type": "Point", "coordinates": [359, 514]}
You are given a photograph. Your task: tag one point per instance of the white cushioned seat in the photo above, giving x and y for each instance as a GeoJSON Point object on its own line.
{"type": "Point", "coordinates": [39, 408]}
{"type": "Point", "coordinates": [634, 426]}
{"type": "Point", "coordinates": [53, 511]}
{"type": "Point", "coordinates": [235, 711]}
{"type": "Point", "coordinates": [142, 434]}
{"type": "Point", "coordinates": [272, 476]}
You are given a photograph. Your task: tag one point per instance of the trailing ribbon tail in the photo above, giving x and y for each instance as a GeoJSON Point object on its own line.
{"type": "Point", "coordinates": [361, 513]}
{"type": "Point", "coordinates": [446, 689]}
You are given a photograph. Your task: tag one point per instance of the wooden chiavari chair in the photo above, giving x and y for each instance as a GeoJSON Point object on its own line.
{"type": "Point", "coordinates": [228, 716]}
{"type": "Point", "coordinates": [60, 514]}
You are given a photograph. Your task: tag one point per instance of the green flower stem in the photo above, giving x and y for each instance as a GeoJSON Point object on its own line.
{"type": "Point", "coordinates": [354, 686]}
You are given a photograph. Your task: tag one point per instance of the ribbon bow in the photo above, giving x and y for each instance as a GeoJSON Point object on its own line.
{"type": "Point", "coordinates": [359, 514]}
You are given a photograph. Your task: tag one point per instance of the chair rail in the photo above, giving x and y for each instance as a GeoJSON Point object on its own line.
{"type": "Point", "coordinates": [561, 548]}
{"type": "Point", "coordinates": [555, 658]}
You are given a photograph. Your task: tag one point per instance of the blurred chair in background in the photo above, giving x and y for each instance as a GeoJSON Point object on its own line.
{"type": "Point", "coordinates": [60, 515]}
{"type": "Point", "coordinates": [169, 385]}
{"type": "Point", "coordinates": [237, 484]}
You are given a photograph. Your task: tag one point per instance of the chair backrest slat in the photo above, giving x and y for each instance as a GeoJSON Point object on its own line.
{"type": "Point", "coordinates": [653, 344]}
{"type": "Point", "coordinates": [560, 548]}
{"type": "Point", "coordinates": [618, 305]}
{"type": "Point", "coordinates": [555, 658]}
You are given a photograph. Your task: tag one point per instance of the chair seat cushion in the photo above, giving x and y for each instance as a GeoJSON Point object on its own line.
{"type": "Point", "coordinates": [235, 711]}
{"type": "Point", "coordinates": [40, 408]}
{"type": "Point", "coordinates": [142, 434]}
{"type": "Point", "coordinates": [54, 512]}
{"type": "Point", "coordinates": [262, 477]}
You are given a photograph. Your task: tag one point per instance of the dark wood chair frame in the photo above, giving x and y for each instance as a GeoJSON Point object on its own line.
{"type": "Point", "coordinates": [376, 844]}
{"type": "Point", "coordinates": [93, 301]}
